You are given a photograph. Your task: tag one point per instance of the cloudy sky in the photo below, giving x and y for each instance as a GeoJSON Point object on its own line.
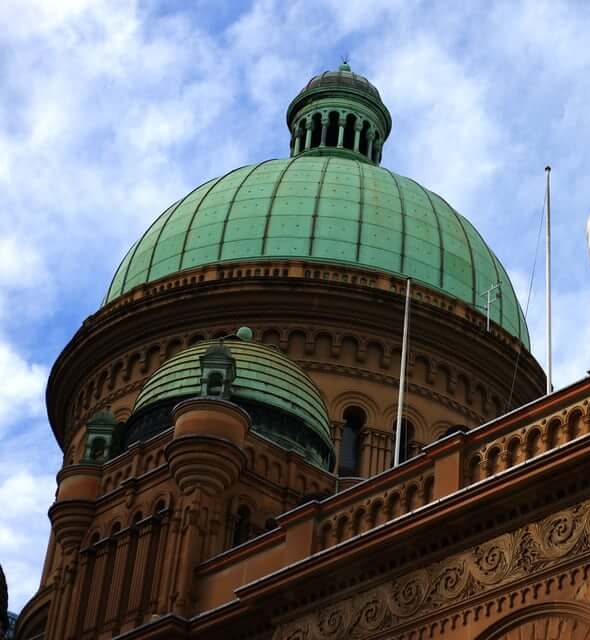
{"type": "Point", "coordinates": [109, 111]}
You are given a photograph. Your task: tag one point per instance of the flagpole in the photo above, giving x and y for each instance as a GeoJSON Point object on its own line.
{"type": "Point", "coordinates": [402, 380]}
{"type": "Point", "coordinates": [548, 280]}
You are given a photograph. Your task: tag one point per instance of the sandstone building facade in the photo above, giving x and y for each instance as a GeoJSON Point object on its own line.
{"type": "Point", "coordinates": [227, 419]}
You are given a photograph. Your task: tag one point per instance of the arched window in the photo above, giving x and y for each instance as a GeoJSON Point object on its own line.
{"type": "Point", "coordinates": [242, 525]}
{"type": "Point", "coordinates": [316, 132]}
{"type": "Point", "coordinates": [98, 449]}
{"type": "Point", "coordinates": [332, 134]}
{"type": "Point", "coordinates": [354, 420]}
{"type": "Point", "coordinates": [408, 447]}
{"type": "Point", "coordinates": [349, 132]}
{"type": "Point", "coordinates": [364, 141]}
{"type": "Point", "coordinates": [214, 384]}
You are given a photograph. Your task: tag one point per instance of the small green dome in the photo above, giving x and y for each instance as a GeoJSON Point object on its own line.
{"type": "Point", "coordinates": [329, 209]}
{"type": "Point", "coordinates": [283, 401]}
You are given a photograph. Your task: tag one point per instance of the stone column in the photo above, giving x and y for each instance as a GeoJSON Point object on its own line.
{"type": "Point", "coordinates": [341, 125]}
{"type": "Point", "coordinates": [366, 450]}
{"type": "Point", "coordinates": [159, 553]}
{"type": "Point", "coordinates": [98, 572]}
{"type": "Point", "coordinates": [116, 588]}
{"type": "Point", "coordinates": [297, 145]}
{"type": "Point", "coordinates": [358, 127]}
{"type": "Point", "coordinates": [58, 631]}
{"type": "Point", "coordinates": [308, 128]}
{"type": "Point", "coordinates": [377, 151]}
{"type": "Point", "coordinates": [337, 427]}
{"type": "Point", "coordinates": [171, 551]}
{"type": "Point", "coordinates": [139, 571]}
{"type": "Point", "coordinates": [324, 131]}
{"type": "Point", "coordinates": [370, 138]}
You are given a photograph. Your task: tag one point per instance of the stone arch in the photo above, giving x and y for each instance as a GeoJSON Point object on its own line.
{"type": "Point", "coordinates": [296, 341]}
{"type": "Point", "coordinates": [326, 535]}
{"type": "Point", "coordinates": [332, 132]}
{"type": "Point", "coordinates": [153, 358]}
{"type": "Point", "coordinates": [358, 521]}
{"type": "Point", "coordinates": [349, 348]}
{"type": "Point", "coordinates": [549, 620]}
{"type": "Point", "coordinates": [262, 465]}
{"type": "Point", "coordinates": [575, 423]}
{"type": "Point", "coordinates": [439, 429]}
{"type": "Point", "coordinates": [137, 515]}
{"type": "Point", "coordinates": [555, 434]}
{"type": "Point", "coordinates": [421, 370]}
{"type": "Point", "coordinates": [93, 535]}
{"type": "Point", "coordinates": [393, 506]}
{"type": "Point", "coordinates": [411, 498]}
{"type": "Point", "coordinates": [422, 433]}
{"type": "Point", "coordinates": [173, 347]}
{"type": "Point", "coordinates": [377, 513]}
{"type": "Point", "coordinates": [483, 395]}
{"type": "Point", "coordinates": [352, 397]}
{"type": "Point", "coordinates": [276, 472]}
{"type": "Point", "coordinates": [195, 338]}
{"type": "Point", "coordinates": [160, 502]}
{"type": "Point", "coordinates": [100, 384]}
{"type": "Point", "coordinates": [533, 443]}
{"type": "Point", "coordinates": [464, 388]}
{"type": "Point", "coordinates": [132, 361]}
{"type": "Point", "coordinates": [316, 129]}
{"type": "Point", "coordinates": [493, 460]}
{"type": "Point", "coordinates": [355, 420]}
{"type": "Point", "coordinates": [271, 336]}
{"type": "Point", "coordinates": [514, 452]}
{"type": "Point", "coordinates": [443, 377]}
{"type": "Point", "coordinates": [342, 528]}
{"type": "Point", "coordinates": [322, 345]}
{"type": "Point", "coordinates": [116, 369]}
{"type": "Point", "coordinates": [348, 142]}
{"type": "Point", "coordinates": [375, 355]}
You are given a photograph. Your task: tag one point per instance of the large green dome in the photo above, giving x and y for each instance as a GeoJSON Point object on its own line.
{"type": "Point", "coordinates": [295, 417]}
{"type": "Point", "coordinates": [329, 209]}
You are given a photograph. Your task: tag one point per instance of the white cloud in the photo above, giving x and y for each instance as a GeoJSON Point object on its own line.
{"type": "Point", "coordinates": [111, 110]}
{"type": "Point", "coordinates": [21, 391]}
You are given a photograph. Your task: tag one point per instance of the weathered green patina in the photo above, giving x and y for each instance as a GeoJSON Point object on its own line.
{"type": "Point", "coordinates": [265, 378]}
{"type": "Point", "coordinates": [328, 209]}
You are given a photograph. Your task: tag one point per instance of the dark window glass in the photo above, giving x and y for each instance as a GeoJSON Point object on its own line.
{"type": "Point", "coordinates": [354, 420]}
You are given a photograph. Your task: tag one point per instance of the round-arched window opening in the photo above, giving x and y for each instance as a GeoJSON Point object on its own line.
{"type": "Point", "coordinates": [332, 133]}
{"type": "Point", "coordinates": [354, 420]}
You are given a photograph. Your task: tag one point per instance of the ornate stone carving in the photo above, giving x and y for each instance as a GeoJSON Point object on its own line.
{"type": "Point", "coordinates": [497, 562]}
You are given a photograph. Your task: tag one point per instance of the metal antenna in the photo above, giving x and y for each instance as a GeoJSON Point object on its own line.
{"type": "Point", "coordinates": [548, 280]}
{"type": "Point", "coordinates": [489, 301]}
{"type": "Point", "coordinates": [402, 380]}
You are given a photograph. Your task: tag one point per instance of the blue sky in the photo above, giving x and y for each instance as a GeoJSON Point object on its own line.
{"type": "Point", "coordinates": [109, 111]}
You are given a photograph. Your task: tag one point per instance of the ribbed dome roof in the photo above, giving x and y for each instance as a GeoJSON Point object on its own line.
{"type": "Point", "coordinates": [265, 377]}
{"type": "Point", "coordinates": [342, 78]}
{"type": "Point", "coordinates": [326, 209]}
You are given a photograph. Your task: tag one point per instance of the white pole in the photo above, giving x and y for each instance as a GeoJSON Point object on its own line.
{"type": "Point", "coordinates": [548, 281]}
{"type": "Point", "coordinates": [402, 380]}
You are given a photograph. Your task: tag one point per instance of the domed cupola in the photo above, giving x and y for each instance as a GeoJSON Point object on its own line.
{"type": "Point", "coordinates": [339, 113]}
{"type": "Point", "coordinates": [283, 403]}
